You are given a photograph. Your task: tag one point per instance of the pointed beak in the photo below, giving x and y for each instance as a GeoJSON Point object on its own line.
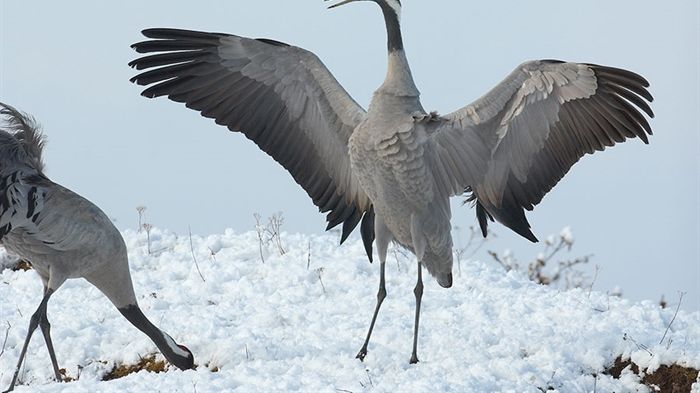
{"type": "Point", "coordinates": [339, 4]}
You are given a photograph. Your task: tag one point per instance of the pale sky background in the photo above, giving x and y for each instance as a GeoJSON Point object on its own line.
{"type": "Point", "coordinates": [635, 207]}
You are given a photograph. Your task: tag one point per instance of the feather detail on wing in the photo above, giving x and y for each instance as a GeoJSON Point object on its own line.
{"type": "Point", "coordinates": [511, 146]}
{"type": "Point", "coordinates": [279, 96]}
{"type": "Point", "coordinates": [21, 201]}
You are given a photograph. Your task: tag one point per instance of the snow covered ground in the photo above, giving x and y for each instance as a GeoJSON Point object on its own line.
{"type": "Point", "coordinates": [275, 326]}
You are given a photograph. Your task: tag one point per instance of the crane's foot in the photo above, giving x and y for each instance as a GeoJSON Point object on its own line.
{"type": "Point", "coordinates": [414, 359]}
{"type": "Point", "coordinates": [361, 355]}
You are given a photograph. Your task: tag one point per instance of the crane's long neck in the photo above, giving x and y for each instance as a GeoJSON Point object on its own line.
{"type": "Point", "coordinates": [167, 346]}
{"type": "Point", "coordinates": [398, 81]}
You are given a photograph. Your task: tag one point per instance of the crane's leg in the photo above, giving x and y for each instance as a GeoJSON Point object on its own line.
{"type": "Point", "coordinates": [418, 291]}
{"type": "Point", "coordinates": [381, 294]}
{"type": "Point", "coordinates": [46, 331]}
{"type": "Point", "coordinates": [34, 321]}
{"type": "Point", "coordinates": [383, 237]}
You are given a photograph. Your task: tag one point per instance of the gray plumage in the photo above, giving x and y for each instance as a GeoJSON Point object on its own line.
{"type": "Point", "coordinates": [396, 165]}
{"type": "Point", "coordinates": [63, 236]}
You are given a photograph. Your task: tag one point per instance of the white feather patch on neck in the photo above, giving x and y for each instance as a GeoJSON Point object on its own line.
{"type": "Point", "coordinates": [173, 345]}
{"type": "Point", "coordinates": [396, 6]}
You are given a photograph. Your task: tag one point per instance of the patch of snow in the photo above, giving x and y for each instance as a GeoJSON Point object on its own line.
{"type": "Point", "coordinates": [273, 327]}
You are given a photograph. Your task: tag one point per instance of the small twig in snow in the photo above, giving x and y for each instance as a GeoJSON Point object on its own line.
{"type": "Point", "coordinates": [369, 377]}
{"type": "Point", "coordinates": [189, 231]}
{"type": "Point", "coordinates": [308, 256]}
{"type": "Point", "coordinates": [595, 276]}
{"type": "Point", "coordinates": [259, 229]}
{"type": "Point", "coordinates": [212, 254]}
{"type": "Point", "coordinates": [595, 383]}
{"type": "Point", "coordinates": [141, 210]}
{"type": "Point", "coordinates": [273, 231]}
{"type": "Point", "coordinates": [147, 227]}
{"type": "Point", "coordinates": [458, 253]}
{"type": "Point", "coordinates": [639, 346]}
{"type": "Point", "coordinates": [4, 342]}
{"type": "Point", "coordinates": [318, 273]}
{"type": "Point", "coordinates": [680, 300]}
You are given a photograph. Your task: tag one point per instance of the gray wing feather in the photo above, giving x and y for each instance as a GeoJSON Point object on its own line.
{"type": "Point", "coordinates": [511, 146]}
{"type": "Point", "coordinates": [281, 97]}
{"type": "Point", "coordinates": [21, 202]}
{"type": "Point", "coordinates": [48, 217]}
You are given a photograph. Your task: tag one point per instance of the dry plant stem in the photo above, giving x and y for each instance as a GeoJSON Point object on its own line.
{"type": "Point", "coordinates": [4, 342]}
{"type": "Point", "coordinates": [189, 232]}
{"type": "Point", "coordinates": [639, 346]}
{"type": "Point", "coordinates": [140, 210]}
{"type": "Point", "coordinates": [680, 300]}
{"type": "Point", "coordinates": [318, 272]}
{"type": "Point", "coordinates": [273, 230]}
{"type": "Point", "coordinates": [259, 230]}
{"type": "Point", "coordinates": [148, 227]}
{"type": "Point", "coordinates": [595, 276]}
{"type": "Point", "coordinates": [308, 256]}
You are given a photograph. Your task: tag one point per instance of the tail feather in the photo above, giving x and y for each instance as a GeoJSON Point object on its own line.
{"type": "Point", "coordinates": [510, 215]}
{"type": "Point", "coordinates": [439, 266]}
{"type": "Point", "coordinates": [26, 130]}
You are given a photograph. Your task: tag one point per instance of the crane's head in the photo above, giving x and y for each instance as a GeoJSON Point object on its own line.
{"type": "Point", "coordinates": [394, 5]}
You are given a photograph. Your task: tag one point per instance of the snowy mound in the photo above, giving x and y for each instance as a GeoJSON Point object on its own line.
{"type": "Point", "coordinates": [295, 322]}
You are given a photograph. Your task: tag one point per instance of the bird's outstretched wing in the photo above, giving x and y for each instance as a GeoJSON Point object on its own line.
{"type": "Point", "coordinates": [511, 146]}
{"type": "Point", "coordinates": [279, 96]}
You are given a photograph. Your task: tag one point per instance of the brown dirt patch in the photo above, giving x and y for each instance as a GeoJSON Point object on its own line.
{"type": "Point", "coordinates": [148, 363]}
{"type": "Point", "coordinates": [23, 264]}
{"type": "Point", "coordinates": [668, 379]}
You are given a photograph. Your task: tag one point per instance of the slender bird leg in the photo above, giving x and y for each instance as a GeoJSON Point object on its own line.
{"type": "Point", "coordinates": [418, 291]}
{"type": "Point", "coordinates": [34, 321]}
{"type": "Point", "coordinates": [382, 238]}
{"type": "Point", "coordinates": [46, 331]}
{"type": "Point", "coordinates": [381, 294]}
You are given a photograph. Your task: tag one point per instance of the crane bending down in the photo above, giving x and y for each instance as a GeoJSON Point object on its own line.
{"type": "Point", "coordinates": [396, 165]}
{"type": "Point", "coordinates": [64, 236]}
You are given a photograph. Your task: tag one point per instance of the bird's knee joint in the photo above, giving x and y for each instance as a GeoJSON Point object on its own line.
{"type": "Point", "coordinates": [44, 323]}
{"type": "Point", "coordinates": [418, 290]}
{"type": "Point", "coordinates": [35, 320]}
{"type": "Point", "coordinates": [381, 294]}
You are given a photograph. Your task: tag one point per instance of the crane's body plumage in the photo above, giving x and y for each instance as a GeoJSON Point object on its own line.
{"type": "Point", "coordinates": [73, 238]}
{"type": "Point", "coordinates": [388, 156]}
{"type": "Point", "coordinates": [63, 236]}
{"type": "Point", "coordinates": [395, 166]}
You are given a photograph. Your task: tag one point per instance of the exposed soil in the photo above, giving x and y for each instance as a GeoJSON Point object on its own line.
{"type": "Point", "coordinates": [23, 264]}
{"type": "Point", "coordinates": [666, 379]}
{"type": "Point", "coordinates": [148, 363]}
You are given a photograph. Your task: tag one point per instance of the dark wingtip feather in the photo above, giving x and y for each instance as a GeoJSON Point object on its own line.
{"type": "Point", "coordinates": [273, 42]}
{"type": "Point", "coordinates": [481, 217]}
{"type": "Point", "coordinates": [350, 224]}
{"type": "Point", "coordinates": [367, 231]}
